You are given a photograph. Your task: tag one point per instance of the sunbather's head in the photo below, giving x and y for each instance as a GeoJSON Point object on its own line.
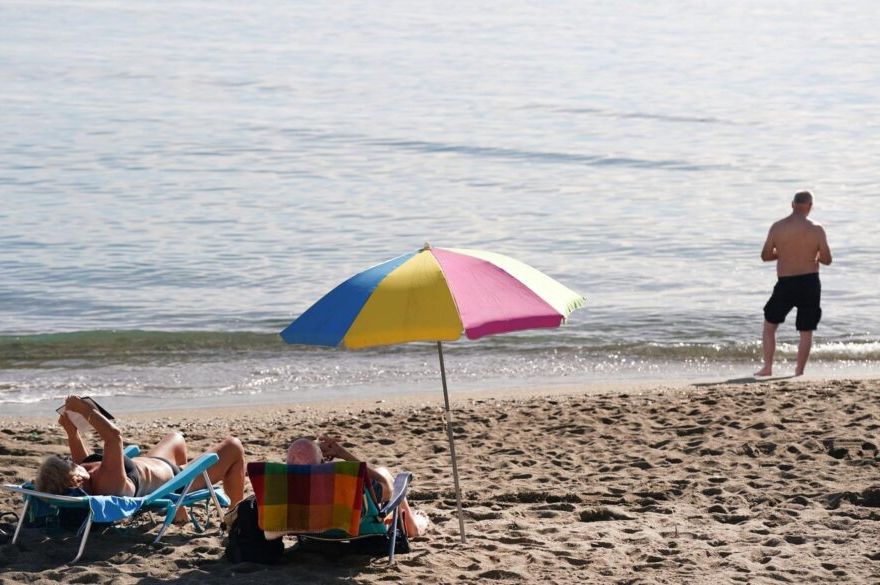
{"type": "Point", "coordinates": [58, 474]}
{"type": "Point", "coordinates": [304, 452]}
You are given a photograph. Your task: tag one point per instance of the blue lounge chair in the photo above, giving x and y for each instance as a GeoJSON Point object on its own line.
{"type": "Point", "coordinates": [168, 497]}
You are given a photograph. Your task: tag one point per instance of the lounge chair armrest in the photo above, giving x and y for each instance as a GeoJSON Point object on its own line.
{"type": "Point", "coordinates": [401, 485]}
{"type": "Point", "coordinates": [56, 499]}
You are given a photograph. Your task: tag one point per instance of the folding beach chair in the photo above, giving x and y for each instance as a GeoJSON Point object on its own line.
{"type": "Point", "coordinates": [329, 503]}
{"type": "Point", "coordinates": [168, 497]}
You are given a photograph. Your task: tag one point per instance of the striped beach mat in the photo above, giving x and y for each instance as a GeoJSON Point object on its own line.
{"type": "Point", "coordinates": [309, 498]}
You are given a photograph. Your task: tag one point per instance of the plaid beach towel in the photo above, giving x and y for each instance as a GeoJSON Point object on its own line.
{"type": "Point", "coordinates": [309, 498]}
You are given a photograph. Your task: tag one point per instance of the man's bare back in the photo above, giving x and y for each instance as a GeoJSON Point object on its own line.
{"type": "Point", "coordinates": [797, 244]}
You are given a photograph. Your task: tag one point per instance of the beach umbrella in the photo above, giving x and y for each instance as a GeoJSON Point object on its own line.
{"type": "Point", "coordinates": [435, 294]}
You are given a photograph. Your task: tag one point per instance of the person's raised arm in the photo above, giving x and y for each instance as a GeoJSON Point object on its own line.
{"type": "Point", "coordinates": [823, 256]}
{"type": "Point", "coordinates": [78, 449]}
{"type": "Point", "coordinates": [112, 470]}
{"type": "Point", "coordinates": [331, 448]}
{"type": "Point", "coordinates": [768, 252]}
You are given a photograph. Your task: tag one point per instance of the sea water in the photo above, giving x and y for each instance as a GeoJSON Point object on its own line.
{"type": "Point", "coordinates": [181, 180]}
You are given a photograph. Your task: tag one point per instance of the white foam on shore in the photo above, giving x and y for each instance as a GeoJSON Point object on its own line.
{"type": "Point", "coordinates": [139, 407]}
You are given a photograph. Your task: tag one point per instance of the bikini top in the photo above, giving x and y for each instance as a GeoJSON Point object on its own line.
{"type": "Point", "coordinates": [131, 470]}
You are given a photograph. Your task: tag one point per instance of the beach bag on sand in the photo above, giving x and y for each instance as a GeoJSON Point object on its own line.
{"type": "Point", "coordinates": [246, 541]}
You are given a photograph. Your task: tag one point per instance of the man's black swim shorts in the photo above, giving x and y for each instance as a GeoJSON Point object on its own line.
{"type": "Point", "coordinates": [803, 291]}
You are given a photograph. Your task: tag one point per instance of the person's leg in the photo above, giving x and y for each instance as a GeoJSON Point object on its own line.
{"type": "Point", "coordinates": [804, 346]}
{"type": "Point", "coordinates": [229, 469]}
{"type": "Point", "coordinates": [410, 522]}
{"type": "Point", "coordinates": [808, 316]}
{"type": "Point", "coordinates": [172, 447]}
{"type": "Point", "coordinates": [768, 340]}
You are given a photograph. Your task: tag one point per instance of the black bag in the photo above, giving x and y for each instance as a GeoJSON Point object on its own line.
{"type": "Point", "coordinates": [246, 541]}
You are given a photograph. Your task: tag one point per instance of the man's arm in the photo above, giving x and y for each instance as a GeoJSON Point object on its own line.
{"type": "Point", "coordinates": [330, 447]}
{"type": "Point", "coordinates": [768, 253]}
{"type": "Point", "coordinates": [823, 256]}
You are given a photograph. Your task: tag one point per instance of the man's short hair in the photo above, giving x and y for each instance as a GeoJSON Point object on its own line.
{"type": "Point", "coordinates": [802, 197]}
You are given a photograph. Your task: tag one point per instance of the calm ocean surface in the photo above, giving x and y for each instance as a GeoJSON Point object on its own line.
{"type": "Point", "coordinates": [180, 180]}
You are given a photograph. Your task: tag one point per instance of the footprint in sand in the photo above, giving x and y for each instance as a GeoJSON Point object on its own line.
{"type": "Point", "coordinates": [602, 514]}
{"type": "Point", "coordinates": [499, 575]}
{"type": "Point", "coordinates": [576, 561]}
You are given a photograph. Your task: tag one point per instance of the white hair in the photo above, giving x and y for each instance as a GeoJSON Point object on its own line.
{"type": "Point", "coordinates": [304, 452]}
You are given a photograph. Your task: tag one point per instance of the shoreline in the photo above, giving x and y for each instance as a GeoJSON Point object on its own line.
{"type": "Point", "coordinates": [406, 400]}
{"type": "Point", "coordinates": [201, 409]}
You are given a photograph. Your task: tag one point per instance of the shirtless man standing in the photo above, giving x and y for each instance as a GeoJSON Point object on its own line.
{"type": "Point", "coordinates": [798, 245]}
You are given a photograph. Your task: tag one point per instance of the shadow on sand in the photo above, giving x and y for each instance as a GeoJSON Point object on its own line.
{"type": "Point", "coordinates": [746, 380]}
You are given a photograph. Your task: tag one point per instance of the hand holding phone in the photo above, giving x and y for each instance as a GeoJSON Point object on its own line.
{"type": "Point", "coordinates": [77, 410]}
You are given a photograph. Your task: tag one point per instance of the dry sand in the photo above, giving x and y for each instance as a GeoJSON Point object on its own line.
{"type": "Point", "coordinates": [717, 483]}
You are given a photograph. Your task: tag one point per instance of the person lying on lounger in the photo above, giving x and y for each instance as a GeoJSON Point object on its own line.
{"type": "Point", "coordinates": [114, 474]}
{"type": "Point", "coordinates": [305, 451]}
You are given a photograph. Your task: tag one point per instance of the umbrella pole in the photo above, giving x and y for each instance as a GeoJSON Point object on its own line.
{"type": "Point", "coordinates": [451, 444]}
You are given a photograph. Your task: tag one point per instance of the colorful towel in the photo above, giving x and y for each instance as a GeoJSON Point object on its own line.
{"type": "Point", "coordinates": [309, 498]}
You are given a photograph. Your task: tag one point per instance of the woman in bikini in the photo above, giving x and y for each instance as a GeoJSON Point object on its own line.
{"type": "Point", "coordinates": [114, 474]}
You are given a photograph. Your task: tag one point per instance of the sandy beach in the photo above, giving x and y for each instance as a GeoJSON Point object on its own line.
{"type": "Point", "coordinates": [708, 483]}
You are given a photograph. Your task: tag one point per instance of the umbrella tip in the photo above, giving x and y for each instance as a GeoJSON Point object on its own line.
{"type": "Point", "coordinates": [427, 246]}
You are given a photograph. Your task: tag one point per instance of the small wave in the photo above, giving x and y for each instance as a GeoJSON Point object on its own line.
{"type": "Point", "coordinates": [727, 352]}
{"type": "Point", "coordinates": [540, 156]}
{"type": "Point", "coordinates": [86, 349]}
{"type": "Point", "coordinates": [674, 118]}
{"type": "Point", "coordinates": [658, 117]}
{"type": "Point", "coordinates": [129, 346]}
{"type": "Point", "coordinates": [510, 154]}
{"type": "Point", "coordinates": [867, 350]}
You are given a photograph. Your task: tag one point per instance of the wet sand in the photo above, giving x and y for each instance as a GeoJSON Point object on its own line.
{"type": "Point", "coordinates": [766, 482]}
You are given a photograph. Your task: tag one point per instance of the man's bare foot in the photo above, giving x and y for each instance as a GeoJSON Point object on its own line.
{"type": "Point", "coordinates": [798, 372]}
{"type": "Point", "coordinates": [765, 371]}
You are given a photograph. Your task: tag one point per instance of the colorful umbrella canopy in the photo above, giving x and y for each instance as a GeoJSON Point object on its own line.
{"type": "Point", "coordinates": [434, 294]}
